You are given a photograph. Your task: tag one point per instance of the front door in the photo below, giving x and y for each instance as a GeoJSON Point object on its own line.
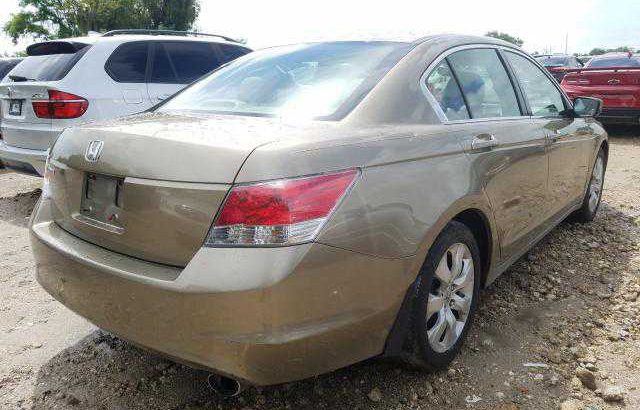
{"type": "Point", "coordinates": [480, 102]}
{"type": "Point", "coordinates": [569, 140]}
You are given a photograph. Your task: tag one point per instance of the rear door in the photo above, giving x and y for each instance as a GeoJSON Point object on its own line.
{"type": "Point", "coordinates": [127, 67]}
{"type": "Point", "coordinates": [570, 140]}
{"type": "Point", "coordinates": [178, 63]}
{"type": "Point", "coordinates": [481, 105]}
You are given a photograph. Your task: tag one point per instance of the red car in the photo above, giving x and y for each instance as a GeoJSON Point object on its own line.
{"type": "Point", "coordinates": [558, 64]}
{"type": "Point", "coordinates": [613, 78]}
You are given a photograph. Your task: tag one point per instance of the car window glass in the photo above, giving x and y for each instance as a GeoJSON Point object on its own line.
{"type": "Point", "coordinates": [6, 66]}
{"type": "Point", "coordinates": [319, 80]}
{"type": "Point", "coordinates": [485, 83]}
{"type": "Point", "coordinates": [232, 52]}
{"type": "Point", "coordinates": [191, 60]}
{"type": "Point", "coordinates": [47, 67]}
{"type": "Point", "coordinates": [623, 61]}
{"type": "Point", "coordinates": [128, 64]}
{"type": "Point", "coordinates": [444, 88]}
{"type": "Point", "coordinates": [163, 70]}
{"type": "Point", "coordinates": [542, 95]}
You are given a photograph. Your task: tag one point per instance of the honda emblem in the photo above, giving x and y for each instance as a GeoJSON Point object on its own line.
{"type": "Point", "coordinates": [94, 149]}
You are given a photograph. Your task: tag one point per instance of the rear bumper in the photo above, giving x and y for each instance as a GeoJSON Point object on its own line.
{"type": "Point", "coordinates": [265, 316]}
{"type": "Point", "coordinates": [620, 116]}
{"type": "Point", "coordinates": [24, 160]}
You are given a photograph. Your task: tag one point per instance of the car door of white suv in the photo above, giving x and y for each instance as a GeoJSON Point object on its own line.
{"type": "Point", "coordinates": [174, 64]}
{"type": "Point", "coordinates": [127, 67]}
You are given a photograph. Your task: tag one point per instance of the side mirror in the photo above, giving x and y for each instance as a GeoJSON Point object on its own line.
{"type": "Point", "coordinates": [587, 106]}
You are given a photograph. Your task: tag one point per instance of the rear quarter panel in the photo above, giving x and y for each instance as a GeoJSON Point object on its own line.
{"type": "Point", "coordinates": [414, 180]}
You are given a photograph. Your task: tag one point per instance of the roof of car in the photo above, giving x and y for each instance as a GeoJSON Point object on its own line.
{"type": "Point", "coordinates": [461, 39]}
{"type": "Point", "coordinates": [616, 54]}
{"type": "Point", "coordinates": [124, 38]}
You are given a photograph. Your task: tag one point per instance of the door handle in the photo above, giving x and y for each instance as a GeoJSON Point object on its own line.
{"type": "Point", "coordinates": [163, 97]}
{"type": "Point", "coordinates": [483, 141]}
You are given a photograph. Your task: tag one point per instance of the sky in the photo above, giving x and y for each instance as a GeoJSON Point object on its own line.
{"type": "Point", "coordinates": [543, 25]}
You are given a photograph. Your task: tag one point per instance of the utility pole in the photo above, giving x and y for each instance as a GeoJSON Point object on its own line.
{"type": "Point", "coordinates": [566, 44]}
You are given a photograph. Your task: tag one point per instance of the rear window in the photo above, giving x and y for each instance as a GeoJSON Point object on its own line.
{"type": "Point", "coordinates": [183, 62]}
{"type": "Point", "coordinates": [49, 67]}
{"type": "Point", "coordinates": [553, 61]}
{"type": "Point", "coordinates": [321, 81]}
{"type": "Point", "coordinates": [614, 62]}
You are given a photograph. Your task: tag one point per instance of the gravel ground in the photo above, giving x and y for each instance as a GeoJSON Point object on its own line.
{"type": "Point", "coordinates": [560, 329]}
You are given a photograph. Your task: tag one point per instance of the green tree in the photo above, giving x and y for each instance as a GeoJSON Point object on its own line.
{"type": "Point", "coordinates": [66, 18]}
{"type": "Point", "coordinates": [171, 14]}
{"type": "Point", "coordinates": [506, 37]}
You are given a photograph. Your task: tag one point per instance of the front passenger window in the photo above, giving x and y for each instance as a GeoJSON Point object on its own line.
{"type": "Point", "coordinates": [542, 95]}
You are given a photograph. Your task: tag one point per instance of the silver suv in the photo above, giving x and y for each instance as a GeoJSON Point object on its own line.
{"type": "Point", "coordinates": [66, 82]}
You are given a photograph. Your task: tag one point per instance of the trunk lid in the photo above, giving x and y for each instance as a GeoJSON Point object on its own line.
{"type": "Point", "coordinates": [618, 88]}
{"type": "Point", "coordinates": [157, 184]}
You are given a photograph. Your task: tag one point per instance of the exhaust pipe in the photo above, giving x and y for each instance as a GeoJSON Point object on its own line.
{"type": "Point", "coordinates": [224, 387]}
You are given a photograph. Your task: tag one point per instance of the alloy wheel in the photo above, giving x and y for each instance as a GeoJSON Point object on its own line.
{"type": "Point", "coordinates": [595, 185]}
{"type": "Point", "coordinates": [450, 297]}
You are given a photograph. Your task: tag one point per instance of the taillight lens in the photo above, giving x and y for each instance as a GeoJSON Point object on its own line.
{"type": "Point", "coordinates": [282, 212]}
{"type": "Point", "coordinates": [60, 105]}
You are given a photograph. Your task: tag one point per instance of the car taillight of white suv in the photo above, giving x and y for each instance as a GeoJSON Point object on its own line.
{"type": "Point", "coordinates": [60, 105]}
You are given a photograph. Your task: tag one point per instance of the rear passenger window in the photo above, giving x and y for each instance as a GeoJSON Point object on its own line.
{"type": "Point", "coordinates": [183, 62]}
{"type": "Point", "coordinates": [128, 63]}
{"type": "Point", "coordinates": [485, 83]}
{"type": "Point", "coordinates": [232, 52]}
{"type": "Point", "coordinates": [542, 95]}
{"type": "Point", "coordinates": [445, 90]}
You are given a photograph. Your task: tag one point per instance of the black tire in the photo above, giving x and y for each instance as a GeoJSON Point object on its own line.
{"type": "Point", "coordinates": [423, 353]}
{"type": "Point", "coordinates": [587, 212]}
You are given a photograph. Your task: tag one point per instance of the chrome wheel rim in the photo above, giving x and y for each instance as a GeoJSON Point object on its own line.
{"type": "Point", "coordinates": [450, 297]}
{"type": "Point", "coordinates": [595, 185]}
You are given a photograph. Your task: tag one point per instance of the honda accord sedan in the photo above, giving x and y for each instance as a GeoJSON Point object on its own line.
{"type": "Point", "coordinates": [307, 207]}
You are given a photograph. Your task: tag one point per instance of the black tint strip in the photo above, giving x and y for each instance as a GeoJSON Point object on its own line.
{"type": "Point", "coordinates": [464, 97]}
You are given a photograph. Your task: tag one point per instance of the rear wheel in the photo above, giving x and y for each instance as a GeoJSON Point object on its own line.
{"type": "Point", "coordinates": [592, 198]}
{"type": "Point", "coordinates": [449, 284]}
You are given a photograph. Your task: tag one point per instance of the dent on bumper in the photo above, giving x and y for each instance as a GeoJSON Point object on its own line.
{"type": "Point", "coordinates": [319, 309]}
{"type": "Point", "coordinates": [34, 158]}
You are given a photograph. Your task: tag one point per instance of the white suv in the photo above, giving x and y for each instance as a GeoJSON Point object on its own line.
{"type": "Point", "coordinates": [65, 82]}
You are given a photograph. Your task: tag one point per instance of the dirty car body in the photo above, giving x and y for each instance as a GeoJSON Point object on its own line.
{"type": "Point", "coordinates": [139, 237]}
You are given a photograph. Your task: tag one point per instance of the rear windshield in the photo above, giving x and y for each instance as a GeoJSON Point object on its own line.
{"type": "Point", "coordinates": [50, 67]}
{"type": "Point", "coordinates": [615, 62]}
{"type": "Point", "coordinates": [321, 81]}
{"type": "Point", "coordinates": [553, 61]}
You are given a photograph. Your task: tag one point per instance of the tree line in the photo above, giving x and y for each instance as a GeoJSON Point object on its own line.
{"type": "Point", "coordinates": [47, 19]}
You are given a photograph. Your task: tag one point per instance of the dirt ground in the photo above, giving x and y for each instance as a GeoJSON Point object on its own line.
{"type": "Point", "coordinates": [560, 329]}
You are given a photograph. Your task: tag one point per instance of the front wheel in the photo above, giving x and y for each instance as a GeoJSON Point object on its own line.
{"type": "Point", "coordinates": [592, 198]}
{"type": "Point", "coordinates": [447, 298]}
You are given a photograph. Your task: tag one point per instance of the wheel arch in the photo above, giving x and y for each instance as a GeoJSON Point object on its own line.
{"type": "Point", "coordinates": [481, 226]}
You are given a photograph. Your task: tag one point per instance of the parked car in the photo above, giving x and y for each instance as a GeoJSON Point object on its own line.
{"type": "Point", "coordinates": [613, 78]}
{"type": "Point", "coordinates": [66, 82]}
{"type": "Point", "coordinates": [584, 59]}
{"type": "Point", "coordinates": [558, 64]}
{"type": "Point", "coordinates": [6, 64]}
{"type": "Point", "coordinates": [306, 207]}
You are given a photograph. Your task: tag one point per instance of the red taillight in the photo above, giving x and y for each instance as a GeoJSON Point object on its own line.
{"type": "Point", "coordinates": [60, 105]}
{"type": "Point", "coordinates": [279, 212]}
